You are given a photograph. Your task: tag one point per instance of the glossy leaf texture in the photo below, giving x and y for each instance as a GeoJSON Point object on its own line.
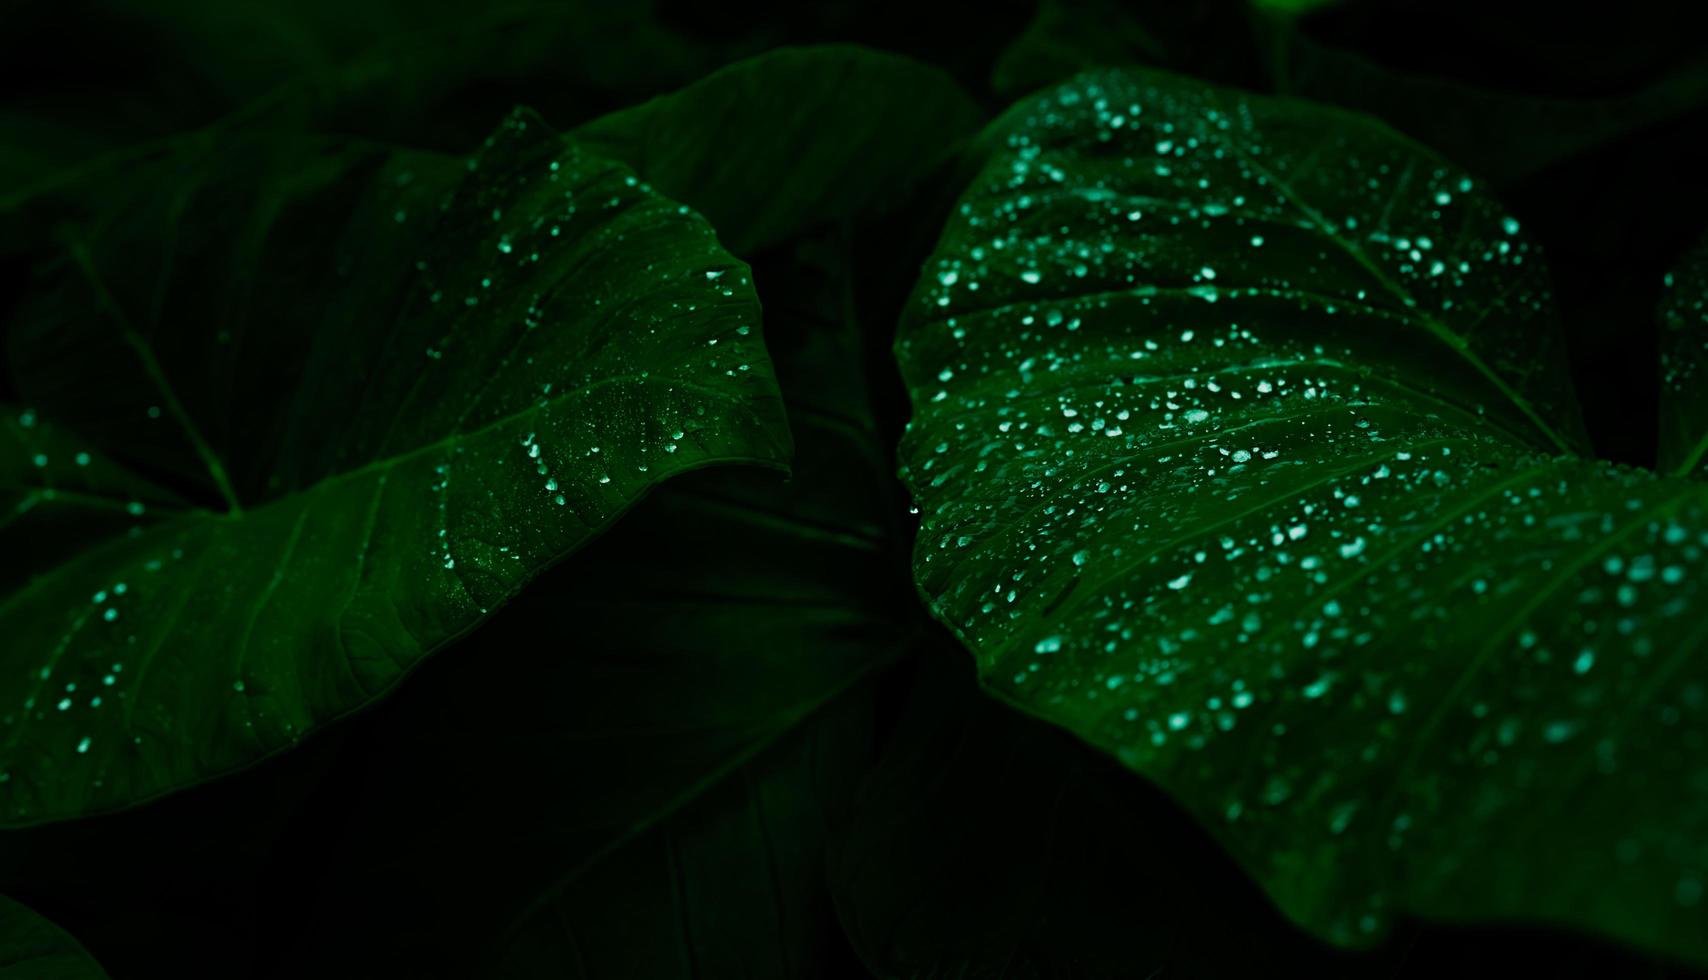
{"type": "Point", "coordinates": [1684, 358]}
{"type": "Point", "coordinates": [396, 387]}
{"type": "Point", "coordinates": [792, 138]}
{"type": "Point", "coordinates": [32, 948]}
{"type": "Point", "coordinates": [1243, 453]}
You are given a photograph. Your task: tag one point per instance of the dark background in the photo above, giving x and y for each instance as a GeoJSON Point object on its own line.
{"type": "Point", "coordinates": [1586, 122]}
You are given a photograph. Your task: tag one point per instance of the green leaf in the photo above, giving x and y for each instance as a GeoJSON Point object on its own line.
{"type": "Point", "coordinates": [32, 948]}
{"type": "Point", "coordinates": [1245, 453]}
{"type": "Point", "coordinates": [398, 386]}
{"type": "Point", "coordinates": [720, 622]}
{"type": "Point", "coordinates": [777, 143]}
{"type": "Point", "coordinates": [1684, 355]}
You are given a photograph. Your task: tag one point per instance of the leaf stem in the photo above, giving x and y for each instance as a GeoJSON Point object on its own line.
{"type": "Point", "coordinates": [1690, 462]}
{"type": "Point", "coordinates": [151, 366]}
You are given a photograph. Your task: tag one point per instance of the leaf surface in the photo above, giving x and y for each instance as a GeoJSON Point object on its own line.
{"type": "Point", "coordinates": [394, 386]}
{"type": "Point", "coordinates": [1244, 454]}
{"type": "Point", "coordinates": [1684, 358]}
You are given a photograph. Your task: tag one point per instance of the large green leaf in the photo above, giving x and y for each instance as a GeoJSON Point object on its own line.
{"type": "Point", "coordinates": [1684, 356]}
{"type": "Point", "coordinates": [399, 386]}
{"type": "Point", "coordinates": [1244, 452]}
{"type": "Point", "coordinates": [791, 138]}
{"type": "Point", "coordinates": [32, 948]}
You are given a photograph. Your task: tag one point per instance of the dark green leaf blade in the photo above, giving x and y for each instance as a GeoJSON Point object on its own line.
{"type": "Point", "coordinates": [775, 144]}
{"type": "Point", "coordinates": [534, 340]}
{"type": "Point", "coordinates": [1683, 446]}
{"type": "Point", "coordinates": [32, 948]}
{"type": "Point", "coordinates": [1238, 438]}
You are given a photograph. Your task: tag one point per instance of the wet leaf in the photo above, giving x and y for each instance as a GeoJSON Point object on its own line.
{"type": "Point", "coordinates": [1684, 356]}
{"type": "Point", "coordinates": [1245, 454]}
{"type": "Point", "coordinates": [32, 948]}
{"type": "Point", "coordinates": [394, 387]}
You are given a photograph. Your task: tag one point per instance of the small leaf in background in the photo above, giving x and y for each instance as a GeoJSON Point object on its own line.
{"type": "Point", "coordinates": [1684, 358]}
{"type": "Point", "coordinates": [425, 73]}
{"type": "Point", "coordinates": [1502, 136]}
{"type": "Point", "coordinates": [1245, 453]}
{"type": "Point", "coordinates": [792, 138]}
{"type": "Point", "coordinates": [1067, 37]}
{"type": "Point", "coordinates": [32, 948]}
{"type": "Point", "coordinates": [395, 387]}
